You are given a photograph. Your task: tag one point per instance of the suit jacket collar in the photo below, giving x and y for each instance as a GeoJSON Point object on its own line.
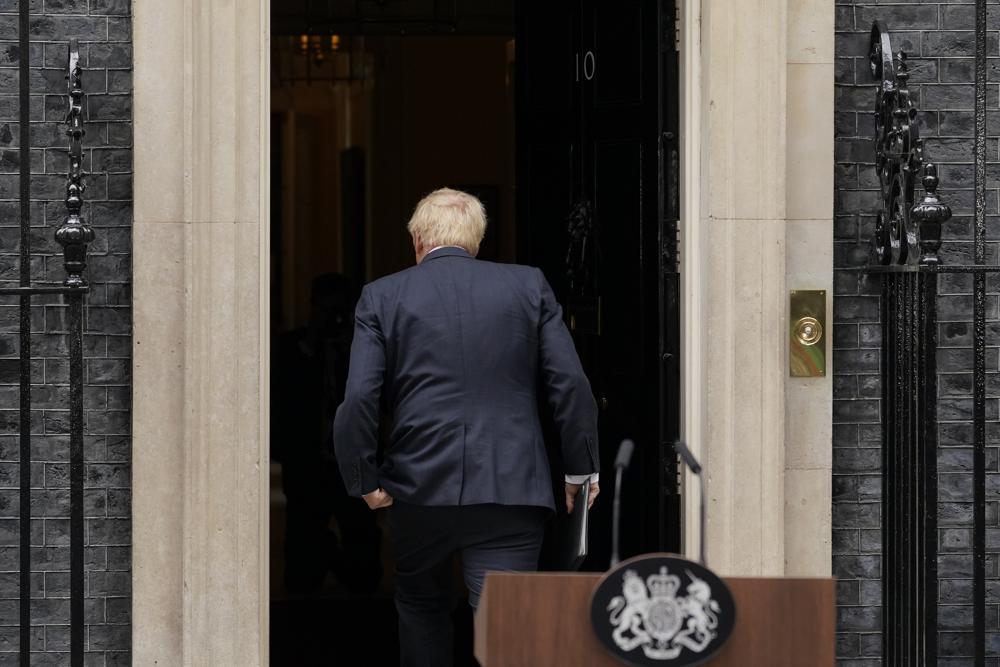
{"type": "Point", "coordinates": [447, 251]}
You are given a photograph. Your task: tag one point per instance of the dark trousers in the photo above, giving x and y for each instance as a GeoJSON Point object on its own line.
{"type": "Point", "coordinates": [424, 540]}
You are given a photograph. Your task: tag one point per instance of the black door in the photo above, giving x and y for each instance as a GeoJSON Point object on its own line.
{"type": "Point", "coordinates": [596, 169]}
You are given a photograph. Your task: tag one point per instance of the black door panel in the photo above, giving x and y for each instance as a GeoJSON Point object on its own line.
{"type": "Point", "coordinates": [618, 211]}
{"type": "Point", "coordinates": [619, 61]}
{"type": "Point", "coordinates": [592, 119]}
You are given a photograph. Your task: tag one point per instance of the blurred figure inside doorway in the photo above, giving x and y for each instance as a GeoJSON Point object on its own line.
{"type": "Point", "coordinates": [309, 373]}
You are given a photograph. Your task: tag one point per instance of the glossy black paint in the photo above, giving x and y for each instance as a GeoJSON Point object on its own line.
{"type": "Point", "coordinates": [904, 248]}
{"type": "Point", "coordinates": [597, 186]}
{"type": "Point", "coordinates": [74, 234]}
{"type": "Point", "coordinates": [909, 466]}
{"type": "Point", "coordinates": [905, 233]}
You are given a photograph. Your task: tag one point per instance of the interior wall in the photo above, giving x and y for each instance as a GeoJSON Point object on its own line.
{"type": "Point", "coordinates": [317, 122]}
{"type": "Point", "coordinates": [443, 116]}
{"type": "Point", "coordinates": [431, 112]}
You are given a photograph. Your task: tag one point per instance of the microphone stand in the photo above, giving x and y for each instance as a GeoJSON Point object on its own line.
{"type": "Point", "coordinates": [695, 467]}
{"type": "Point", "coordinates": [622, 460]}
{"type": "Point", "coordinates": [615, 515]}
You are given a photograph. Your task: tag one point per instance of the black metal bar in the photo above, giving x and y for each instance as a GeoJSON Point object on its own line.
{"type": "Point", "coordinates": [916, 435]}
{"type": "Point", "coordinates": [950, 268]}
{"type": "Point", "coordinates": [909, 458]}
{"type": "Point", "coordinates": [902, 472]}
{"type": "Point", "coordinates": [929, 455]}
{"type": "Point", "coordinates": [979, 470]}
{"type": "Point", "coordinates": [915, 469]}
{"type": "Point", "coordinates": [919, 472]}
{"type": "Point", "coordinates": [42, 289]}
{"type": "Point", "coordinates": [74, 235]}
{"type": "Point", "coordinates": [899, 575]}
{"type": "Point", "coordinates": [904, 250]}
{"type": "Point", "coordinates": [902, 479]}
{"type": "Point", "coordinates": [918, 468]}
{"type": "Point", "coordinates": [24, 371]}
{"type": "Point", "coordinates": [888, 471]}
{"type": "Point", "coordinates": [979, 372]}
{"type": "Point", "coordinates": [906, 580]}
{"type": "Point", "coordinates": [888, 468]}
{"type": "Point", "coordinates": [903, 445]}
{"type": "Point", "coordinates": [76, 478]}
{"type": "Point", "coordinates": [885, 465]}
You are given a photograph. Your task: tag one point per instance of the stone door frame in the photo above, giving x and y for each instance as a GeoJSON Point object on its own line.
{"type": "Point", "coordinates": [200, 453]}
{"type": "Point", "coordinates": [200, 373]}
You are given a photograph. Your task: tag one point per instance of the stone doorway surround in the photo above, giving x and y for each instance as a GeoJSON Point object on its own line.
{"type": "Point", "coordinates": [202, 112]}
{"type": "Point", "coordinates": [757, 122]}
{"type": "Point", "coordinates": [200, 453]}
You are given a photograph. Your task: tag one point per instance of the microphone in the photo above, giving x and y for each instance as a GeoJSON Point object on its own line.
{"type": "Point", "coordinates": [624, 454]}
{"type": "Point", "coordinates": [688, 457]}
{"type": "Point", "coordinates": [622, 460]}
{"type": "Point", "coordinates": [691, 462]}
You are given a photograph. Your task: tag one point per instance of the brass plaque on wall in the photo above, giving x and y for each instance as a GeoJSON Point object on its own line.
{"type": "Point", "coordinates": [807, 333]}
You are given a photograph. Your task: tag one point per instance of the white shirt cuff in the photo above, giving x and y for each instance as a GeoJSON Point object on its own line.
{"type": "Point", "coordinates": [580, 479]}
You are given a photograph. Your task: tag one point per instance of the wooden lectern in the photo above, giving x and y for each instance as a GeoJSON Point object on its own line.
{"type": "Point", "coordinates": [544, 619]}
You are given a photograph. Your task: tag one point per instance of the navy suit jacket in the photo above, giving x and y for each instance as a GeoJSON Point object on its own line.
{"type": "Point", "coordinates": [453, 352]}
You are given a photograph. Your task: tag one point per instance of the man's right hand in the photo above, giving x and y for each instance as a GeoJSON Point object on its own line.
{"type": "Point", "coordinates": [573, 489]}
{"type": "Point", "coordinates": [377, 499]}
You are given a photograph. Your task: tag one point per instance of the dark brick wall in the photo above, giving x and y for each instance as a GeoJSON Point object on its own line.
{"type": "Point", "coordinates": [939, 40]}
{"type": "Point", "coordinates": [104, 29]}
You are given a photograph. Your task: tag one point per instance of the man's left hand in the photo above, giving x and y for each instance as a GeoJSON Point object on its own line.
{"type": "Point", "coordinates": [573, 489]}
{"type": "Point", "coordinates": [377, 499]}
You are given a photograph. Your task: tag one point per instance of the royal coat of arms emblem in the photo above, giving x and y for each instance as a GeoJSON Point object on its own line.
{"type": "Point", "coordinates": [663, 611]}
{"type": "Point", "coordinates": [650, 614]}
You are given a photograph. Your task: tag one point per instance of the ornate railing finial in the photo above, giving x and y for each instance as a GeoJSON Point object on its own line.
{"type": "Point", "coordinates": [74, 234]}
{"type": "Point", "coordinates": [929, 214]}
{"type": "Point", "coordinates": [898, 237]}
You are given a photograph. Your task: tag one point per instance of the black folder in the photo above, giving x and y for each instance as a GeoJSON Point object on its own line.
{"type": "Point", "coordinates": [573, 540]}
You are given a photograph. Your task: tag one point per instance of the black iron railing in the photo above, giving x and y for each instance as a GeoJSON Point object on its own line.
{"type": "Point", "coordinates": [904, 246]}
{"type": "Point", "coordinates": [905, 251]}
{"type": "Point", "coordinates": [73, 235]}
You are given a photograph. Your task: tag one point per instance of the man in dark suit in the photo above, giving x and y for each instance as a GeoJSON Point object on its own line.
{"type": "Point", "coordinates": [454, 352]}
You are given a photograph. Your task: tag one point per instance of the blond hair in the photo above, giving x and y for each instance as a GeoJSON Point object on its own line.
{"type": "Point", "coordinates": [449, 217]}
